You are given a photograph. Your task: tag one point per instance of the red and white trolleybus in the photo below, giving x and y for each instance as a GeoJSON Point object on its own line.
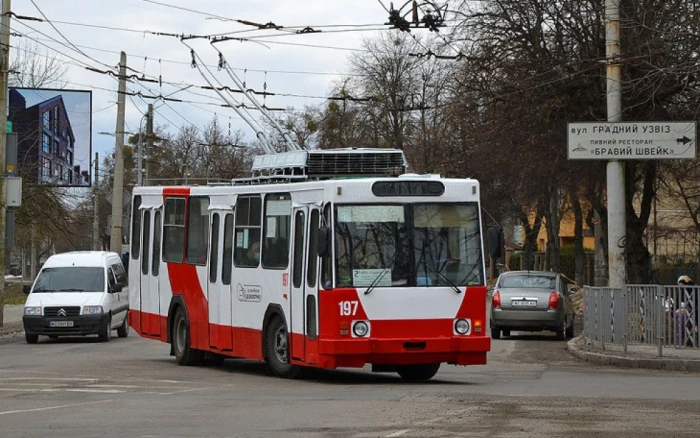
{"type": "Point", "coordinates": [300, 268]}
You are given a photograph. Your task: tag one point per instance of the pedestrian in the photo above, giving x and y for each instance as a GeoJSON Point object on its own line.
{"type": "Point", "coordinates": [689, 311]}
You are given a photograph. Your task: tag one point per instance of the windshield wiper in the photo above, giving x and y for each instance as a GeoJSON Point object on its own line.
{"type": "Point", "coordinates": [381, 275]}
{"type": "Point", "coordinates": [433, 270]}
{"type": "Point", "coordinates": [42, 290]}
{"type": "Point", "coordinates": [71, 290]}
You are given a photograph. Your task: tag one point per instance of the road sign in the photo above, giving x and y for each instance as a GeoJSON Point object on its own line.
{"type": "Point", "coordinates": [631, 141]}
{"type": "Point", "coordinates": [126, 198]}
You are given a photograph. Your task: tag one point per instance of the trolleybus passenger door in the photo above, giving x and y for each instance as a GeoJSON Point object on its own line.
{"type": "Point", "coordinates": [154, 279]}
{"type": "Point", "coordinates": [144, 270]}
{"type": "Point", "coordinates": [219, 294]}
{"type": "Point", "coordinates": [311, 288]}
{"type": "Point", "coordinates": [296, 314]}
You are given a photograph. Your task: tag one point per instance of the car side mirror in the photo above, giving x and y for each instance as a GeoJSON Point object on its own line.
{"type": "Point", "coordinates": [323, 245]}
{"type": "Point", "coordinates": [116, 288]}
{"type": "Point", "coordinates": [27, 288]}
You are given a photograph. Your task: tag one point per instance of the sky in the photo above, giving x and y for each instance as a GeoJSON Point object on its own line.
{"type": "Point", "coordinates": [280, 64]}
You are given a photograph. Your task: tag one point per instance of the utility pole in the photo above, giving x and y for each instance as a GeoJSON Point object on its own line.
{"type": "Point", "coordinates": [149, 137]}
{"type": "Point", "coordinates": [4, 73]}
{"type": "Point", "coordinates": [617, 225]}
{"type": "Point", "coordinates": [115, 242]}
{"type": "Point", "coordinates": [95, 199]}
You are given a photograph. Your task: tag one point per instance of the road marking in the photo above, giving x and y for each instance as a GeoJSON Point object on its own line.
{"type": "Point", "coordinates": [398, 433]}
{"type": "Point", "coordinates": [183, 390]}
{"type": "Point", "coordinates": [54, 407]}
{"type": "Point", "coordinates": [93, 391]}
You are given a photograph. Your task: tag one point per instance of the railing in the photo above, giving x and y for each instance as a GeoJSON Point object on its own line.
{"type": "Point", "coordinates": [665, 316]}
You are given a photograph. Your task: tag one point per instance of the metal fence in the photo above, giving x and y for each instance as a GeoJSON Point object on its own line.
{"type": "Point", "coordinates": [665, 316]}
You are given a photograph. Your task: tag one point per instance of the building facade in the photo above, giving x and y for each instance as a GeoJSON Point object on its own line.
{"type": "Point", "coordinates": [46, 143]}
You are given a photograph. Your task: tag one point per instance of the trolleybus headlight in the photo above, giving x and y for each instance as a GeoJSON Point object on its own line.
{"type": "Point", "coordinates": [462, 326]}
{"type": "Point", "coordinates": [360, 329]}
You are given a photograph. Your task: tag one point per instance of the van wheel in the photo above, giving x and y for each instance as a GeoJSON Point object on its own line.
{"type": "Point", "coordinates": [277, 350]}
{"type": "Point", "coordinates": [105, 333]}
{"type": "Point", "coordinates": [31, 339]}
{"type": "Point", "coordinates": [123, 330]}
{"type": "Point", "coordinates": [184, 353]}
{"type": "Point", "coordinates": [418, 372]}
{"type": "Point", "coordinates": [570, 331]}
{"type": "Point", "coordinates": [495, 333]}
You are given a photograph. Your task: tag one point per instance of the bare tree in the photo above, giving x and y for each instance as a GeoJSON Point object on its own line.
{"type": "Point", "coordinates": [33, 68]}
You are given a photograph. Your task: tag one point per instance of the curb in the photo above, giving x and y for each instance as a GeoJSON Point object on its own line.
{"type": "Point", "coordinates": [665, 364]}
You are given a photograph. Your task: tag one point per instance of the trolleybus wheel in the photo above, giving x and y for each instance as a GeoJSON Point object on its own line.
{"type": "Point", "coordinates": [418, 372]}
{"type": "Point", "coordinates": [277, 350]}
{"type": "Point", "coordinates": [184, 354]}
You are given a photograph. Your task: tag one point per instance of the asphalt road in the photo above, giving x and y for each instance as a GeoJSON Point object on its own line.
{"type": "Point", "coordinates": [132, 388]}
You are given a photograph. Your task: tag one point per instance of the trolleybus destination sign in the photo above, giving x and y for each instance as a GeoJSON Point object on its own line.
{"type": "Point", "coordinates": [631, 141]}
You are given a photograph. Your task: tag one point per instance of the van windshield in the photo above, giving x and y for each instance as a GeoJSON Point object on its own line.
{"type": "Point", "coordinates": [71, 279]}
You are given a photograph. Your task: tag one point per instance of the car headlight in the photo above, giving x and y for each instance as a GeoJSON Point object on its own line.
{"type": "Point", "coordinates": [360, 329]}
{"type": "Point", "coordinates": [462, 326]}
{"type": "Point", "coordinates": [92, 310]}
{"type": "Point", "coordinates": [32, 311]}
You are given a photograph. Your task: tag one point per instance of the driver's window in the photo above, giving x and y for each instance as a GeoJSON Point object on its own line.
{"type": "Point", "coordinates": [111, 279]}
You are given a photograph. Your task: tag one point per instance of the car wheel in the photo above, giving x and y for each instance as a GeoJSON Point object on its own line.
{"type": "Point", "coordinates": [561, 331]}
{"type": "Point", "coordinates": [418, 372]}
{"type": "Point", "coordinates": [506, 333]}
{"type": "Point", "coordinates": [123, 330]}
{"type": "Point", "coordinates": [277, 350]}
{"type": "Point", "coordinates": [31, 339]}
{"type": "Point", "coordinates": [184, 353]}
{"type": "Point", "coordinates": [570, 331]}
{"type": "Point", "coordinates": [105, 333]}
{"type": "Point", "coordinates": [495, 333]}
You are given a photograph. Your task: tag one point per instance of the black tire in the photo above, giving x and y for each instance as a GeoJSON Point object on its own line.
{"type": "Point", "coordinates": [561, 331]}
{"type": "Point", "coordinates": [184, 353]}
{"type": "Point", "coordinates": [53, 336]}
{"type": "Point", "coordinates": [123, 330]}
{"type": "Point", "coordinates": [570, 331]}
{"type": "Point", "coordinates": [277, 350]}
{"type": "Point", "coordinates": [105, 333]}
{"type": "Point", "coordinates": [31, 339]}
{"type": "Point", "coordinates": [418, 372]}
{"type": "Point", "coordinates": [506, 333]}
{"type": "Point", "coordinates": [495, 333]}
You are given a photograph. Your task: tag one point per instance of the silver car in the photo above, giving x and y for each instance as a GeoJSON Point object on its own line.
{"type": "Point", "coordinates": [531, 301]}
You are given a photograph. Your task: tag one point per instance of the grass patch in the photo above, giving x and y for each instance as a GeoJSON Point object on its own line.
{"type": "Point", "coordinates": [13, 293]}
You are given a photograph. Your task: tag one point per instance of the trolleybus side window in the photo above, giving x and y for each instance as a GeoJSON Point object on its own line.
{"type": "Point", "coordinates": [136, 229]}
{"type": "Point", "coordinates": [326, 262]}
{"type": "Point", "coordinates": [214, 251]}
{"type": "Point", "coordinates": [298, 248]}
{"type": "Point", "coordinates": [313, 247]}
{"type": "Point", "coordinates": [174, 230]}
{"type": "Point", "coordinates": [227, 260]}
{"type": "Point", "coordinates": [197, 231]}
{"type": "Point", "coordinates": [275, 253]}
{"type": "Point", "coordinates": [146, 241]}
{"type": "Point", "coordinates": [157, 225]}
{"type": "Point", "coordinates": [247, 240]}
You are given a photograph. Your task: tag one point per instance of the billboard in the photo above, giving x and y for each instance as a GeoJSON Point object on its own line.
{"type": "Point", "coordinates": [54, 135]}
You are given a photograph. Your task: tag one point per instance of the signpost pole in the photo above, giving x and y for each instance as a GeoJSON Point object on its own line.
{"type": "Point", "coordinates": [617, 225]}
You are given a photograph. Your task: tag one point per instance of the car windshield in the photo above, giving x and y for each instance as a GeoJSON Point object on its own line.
{"type": "Point", "coordinates": [408, 245]}
{"type": "Point", "coordinates": [71, 279]}
{"type": "Point", "coordinates": [528, 282]}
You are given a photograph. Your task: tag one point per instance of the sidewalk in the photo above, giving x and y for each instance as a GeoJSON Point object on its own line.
{"type": "Point", "coordinates": [637, 356]}
{"type": "Point", "coordinates": [13, 321]}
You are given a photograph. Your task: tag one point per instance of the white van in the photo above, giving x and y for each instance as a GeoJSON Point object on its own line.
{"type": "Point", "coordinates": [76, 294]}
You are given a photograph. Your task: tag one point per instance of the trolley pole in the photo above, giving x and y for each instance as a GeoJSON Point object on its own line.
{"type": "Point", "coordinates": [115, 242]}
{"type": "Point", "coordinates": [617, 226]}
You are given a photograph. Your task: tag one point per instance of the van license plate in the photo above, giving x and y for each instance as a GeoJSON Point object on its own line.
{"type": "Point", "coordinates": [61, 324]}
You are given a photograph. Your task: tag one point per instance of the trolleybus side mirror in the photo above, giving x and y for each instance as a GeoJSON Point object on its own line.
{"type": "Point", "coordinates": [495, 239]}
{"type": "Point", "coordinates": [324, 242]}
